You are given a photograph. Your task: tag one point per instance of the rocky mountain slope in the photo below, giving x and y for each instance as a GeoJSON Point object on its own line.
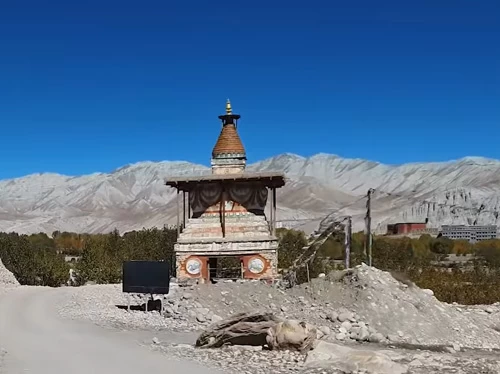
{"type": "Point", "coordinates": [465, 191]}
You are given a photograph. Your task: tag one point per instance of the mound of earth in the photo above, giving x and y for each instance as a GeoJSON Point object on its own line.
{"type": "Point", "coordinates": [6, 277]}
{"type": "Point", "coordinates": [363, 304]}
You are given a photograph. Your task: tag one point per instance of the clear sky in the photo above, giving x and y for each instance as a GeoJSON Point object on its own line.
{"type": "Point", "coordinates": [91, 86]}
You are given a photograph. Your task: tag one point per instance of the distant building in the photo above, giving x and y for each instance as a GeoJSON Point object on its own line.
{"type": "Point", "coordinates": [402, 228]}
{"type": "Point", "coordinates": [470, 233]}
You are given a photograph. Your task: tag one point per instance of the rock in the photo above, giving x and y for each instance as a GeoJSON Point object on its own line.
{"type": "Point", "coordinates": [489, 310]}
{"type": "Point", "coordinates": [346, 325]}
{"type": "Point", "coordinates": [329, 355]}
{"type": "Point", "coordinates": [343, 317]}
{"type": "Point", "coordinates": [201, 318]}
{"type": "Point", "coordinates": [202, 311]}
{"type": "Point", "coordinates": [284, 309]}
{"type": "Point", "coordinates": [363, 334]}
{"type": "Point", "coordinates": [325, 330]}
{"type": "Point", "coordinates": [291, 334]}
{"type": "Point", "coordinates": [183, 346]}
{"type": "Point", "coordinates": [456, 347]}
{"type": "Point", "coordinates": [393, 338]}
{"type": "Point", "coordinates": [449, 350]}
{"type": "Point", "coordinates": [156, 340]}
{"type": "Point", "coordinates": [376, 338]}
{"type": "Point", "coordinates": [216, 318]}
{"type": "Point", "coordinates": [428, 292]}
{"type": "Point", "coordinates": [333, 316]}
{"type": "Point", "coordinates": [340, 336]}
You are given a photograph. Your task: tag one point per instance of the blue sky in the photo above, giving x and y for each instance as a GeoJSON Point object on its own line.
{"type": "Point", "coordinates": [91, 86]}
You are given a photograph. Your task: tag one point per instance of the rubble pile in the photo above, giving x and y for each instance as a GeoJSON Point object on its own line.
{"type": "Point", "coordinates": [6, 277]}
{"type": "Point", "coordinates": [361, 313]}
{"type": "Point", "coordinates": [404, 313]}
{"type": "Point", "coordinates": [358, 305]}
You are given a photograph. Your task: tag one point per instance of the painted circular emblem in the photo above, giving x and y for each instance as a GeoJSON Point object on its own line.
{"type": "Point", "coordinates": [193, 266]}
{"type": "Point", "coordinates": [256, 265]}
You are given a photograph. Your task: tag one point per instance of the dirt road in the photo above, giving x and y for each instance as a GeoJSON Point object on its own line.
{"type": "Point", "coordinates": [37, 341]}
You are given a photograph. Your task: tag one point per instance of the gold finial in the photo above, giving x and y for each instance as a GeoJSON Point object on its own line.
{"type": "Point", "coordinates": [229, 110]}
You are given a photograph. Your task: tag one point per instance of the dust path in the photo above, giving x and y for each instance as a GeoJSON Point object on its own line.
{"type": "Point", "coordinates": [37, 340]}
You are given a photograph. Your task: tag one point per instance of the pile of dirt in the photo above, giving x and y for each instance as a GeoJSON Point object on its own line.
{"type": "Point", "coordinates": [6, 277]}
{"type": "Point", "coordinates": [360, 304]}
{"type": "Point", "coordinates": [363, 304]}
{"type": "Point", "coordinates": [400, 308]}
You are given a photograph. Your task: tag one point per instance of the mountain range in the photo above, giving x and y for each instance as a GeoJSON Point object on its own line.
{"type": "Point", "coordinates": [464, 191]}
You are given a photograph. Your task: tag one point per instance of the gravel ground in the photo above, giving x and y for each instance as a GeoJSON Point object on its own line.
{"type": "Point", "coordinates": [251, 360]}
{"type": "Point", "coordinates": [364, 309]}
{"type": "Point", "coordinates": [367, 305]}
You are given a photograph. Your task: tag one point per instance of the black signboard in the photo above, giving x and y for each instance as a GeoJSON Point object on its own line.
{"type": "Point", "coordinates": [151, 277]}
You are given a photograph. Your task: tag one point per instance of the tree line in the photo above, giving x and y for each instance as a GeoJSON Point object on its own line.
{"type": "Point", "coordinates": [39, 259]}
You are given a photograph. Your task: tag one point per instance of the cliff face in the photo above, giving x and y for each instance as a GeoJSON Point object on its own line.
{"type": "Point", "coordinates": [464, 191]}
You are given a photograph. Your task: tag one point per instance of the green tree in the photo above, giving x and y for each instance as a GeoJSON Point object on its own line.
{"type": "Point", "coordinates": [489, 250]}
{"type": "Point", "coordinates": [442, 246]}
{"type": "Point", "coordinates": [32, 265]}
{"type": "Point", "coordinates": [291, 246]}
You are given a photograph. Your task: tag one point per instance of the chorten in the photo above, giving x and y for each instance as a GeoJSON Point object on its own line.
{"type": "Point", "coordinates": [223, 214]}
{"type": "Point", "coordinates": [228, 155]}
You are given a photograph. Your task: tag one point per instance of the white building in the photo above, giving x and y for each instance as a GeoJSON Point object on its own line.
{"type": "Point", "coordinates": [470, 233]}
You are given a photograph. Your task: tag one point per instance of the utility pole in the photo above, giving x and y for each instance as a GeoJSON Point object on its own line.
{"type": "Point", "coordinates": [348, 236]}
{"type": "Point", "coordinates": [368, 228]}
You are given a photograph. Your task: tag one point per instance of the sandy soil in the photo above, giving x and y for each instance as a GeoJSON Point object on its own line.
{"type": "Point", "coordinates": [35, 340]}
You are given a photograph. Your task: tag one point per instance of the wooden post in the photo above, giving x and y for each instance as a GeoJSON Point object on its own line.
{"type": "Point", "coordinates": [178, 213]}
{"type": "Point", "coordinates": [368, 228]}
{"type": "Point", "coordinates": [223, 211]}
{"type": "Point", "coordinates": [183, 210]}
{"type": "Point", "coordinates": [271, 212]}
{"type": "Point", "coordinates": [348, 234]}
{"type": "Point", "coordinates": [274, 210]}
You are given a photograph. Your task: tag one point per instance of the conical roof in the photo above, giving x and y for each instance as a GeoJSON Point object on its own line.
{"type": "Point", "coordinates": [229, 142]}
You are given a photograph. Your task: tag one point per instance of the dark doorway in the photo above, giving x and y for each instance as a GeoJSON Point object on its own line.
{"type": "Point", "coordinates": [227, 267]}
{"type": "Point", "coordinates": [212, 268]}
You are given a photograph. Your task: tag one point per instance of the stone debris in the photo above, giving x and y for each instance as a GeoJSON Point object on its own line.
{"type": "Point", "coordinates": [255, 360]}
{"type": "Point", "coordinates": [359, 308]}
{"type": "Point", "coordinates": [330, 355]}
{"type": "Point", "coordinates": [6, 277]}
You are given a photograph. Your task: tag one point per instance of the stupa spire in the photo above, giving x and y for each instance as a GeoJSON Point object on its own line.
{"type": "Point", "coordinates": [228, 154]}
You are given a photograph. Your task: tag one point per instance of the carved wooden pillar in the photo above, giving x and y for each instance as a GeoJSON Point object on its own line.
{"type": "Point", "coordinates": [271, 213]}
{"type": "Point", "coordinates": [274, 210]}
{"type": "Point", "coordinates": [183, 210]}
{"type": "Point", "coordinates": [178, 213]}
{"type": "Point", "coordinates": [223, 211]}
